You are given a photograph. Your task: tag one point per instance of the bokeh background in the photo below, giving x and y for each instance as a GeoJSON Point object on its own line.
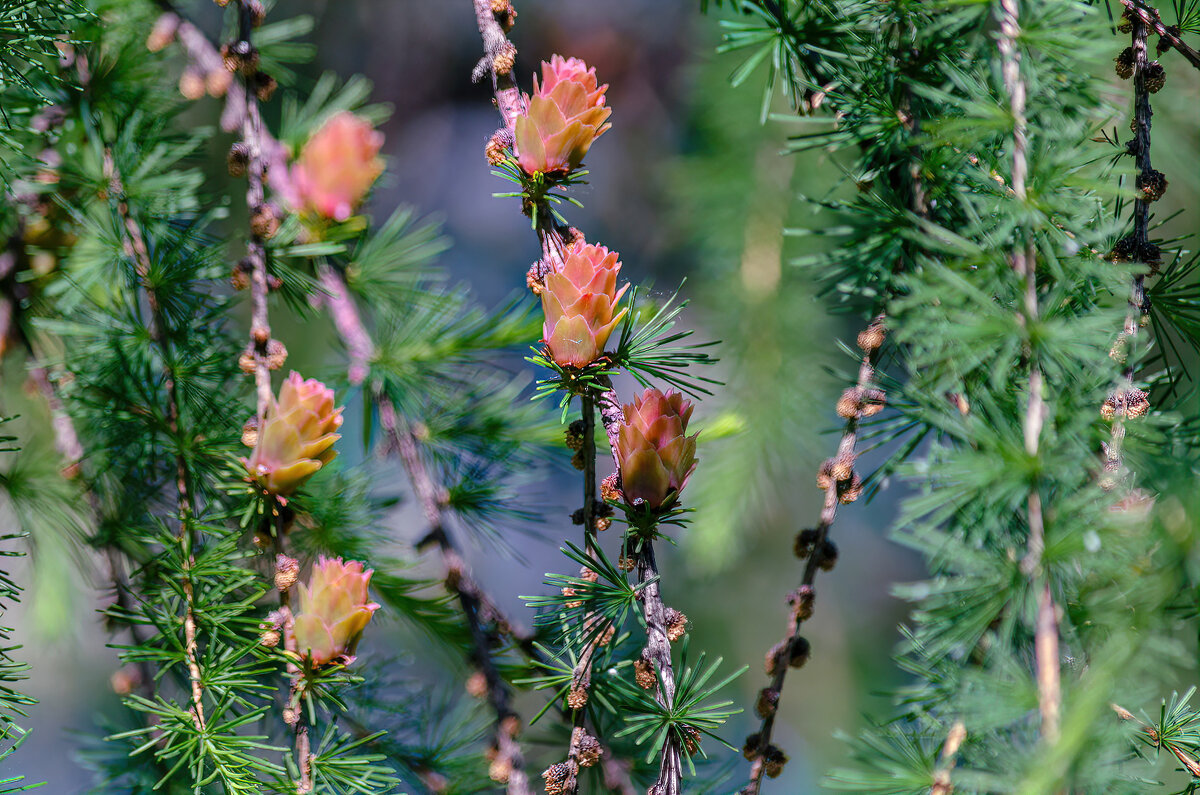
{"type": "Point", "coordinates": [688, 183]}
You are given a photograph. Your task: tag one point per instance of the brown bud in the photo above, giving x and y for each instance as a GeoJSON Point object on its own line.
{"type": "Point", "coordinates": [264, 221]}
{"type": "Point", "coordinates": [557, 777]}
{"type": "Point", "coordinates": [276, 354]}
{"type": "Point", "coordinates": [496, 150]}
{"type": "Point", "coordinates": [124, 680]}
{"type": "Point", "coordinates": [1124, 250]}
{"type": "Point", "coordinates": [1125, 24]}
{"type": "Point", "coordinates": [767, 703]}
{"type": "Point", "coordinates": [500, 770]}
{"type": "Point", "coordinates": [260, 334]}
{"type": "Point", "coordinates": [217, 82]}
{"type": "Point", "coordinates": [533, 279]}
{"type": "Point", "coordinates": [264, 86]}
{"type": "Point", "coordinates": [239, 278]}
{"type": "Point", "coordinates": [608, 635]}
{"type": "Point", "coordinates": [843, 466]}
{"type": "Point", "coordinates": [773, 761]}
{"type": "Point", "coordinates": [1155, 77]}
{"type": "Point", "coordinates": [250, 432]}
{"type": "Point", "coordinates": [504, 61]}
{"type": "Point", "coordinates": [806, 539]}
{"type": "Point", "coordinates": [1152, 184]}
{"type": "Point", "coordinates": [800, 651]}
{"type": "Point", "coordinates": [871, 338]}
{"type": "Point", "coordinates": [750, 747]}
{"type": "Point", "coordinates": [574, 435]}
{"type": "Point", "coordinates": [248, 362]}
{"type": "Point", "coordinates": [1122, 713]}
{"type": "Point", "coordinates": [643, 674]}
{"type": "Point", "coordinates": [825, 475]}
{"type": "Point", "coordinates": [240, 57]}
{"type": "Point", "coordinates": [238, 159]}
{"type": "Point", "coordinates": [626, 564]}
{"type": "Point", "coordinates": [603, 523]}
{"type": "Point", "coordinates": [609, 490]}
{"type": "Point", "coordinates": [1125, 62]}
{"type": "Point", "coordinates": [287, 570]}
{"type": "Point", "coordinates": [569, 592]}
{"type": "Point", "coordinates": [269, 638]}
{"type": "Point", "coordinates": [511, 726]}
{"type": "Point", "coordinates": [828, 554]}
{"type": "Point", "coordinates": [579, 462]}
{"type": "Point", "coordinates": [850, 403]}
{"type": "Point", "coordinates": [691, 740]}
{"type": "Point", "coordinates": [1150, 254]}
{"type": "Point", "coordinates": [802, 600]}
{"type": "Point", "coordinates": [577, 698]}
{"type": "Point", "coordinates": [476, 685]}
{"type": "Point", "coordinates": [587, 574]}
{"type": "Point", "coordinates": [191, 83]}
{"type": "Point", "coordinates": [676, 624]}
{"type": "Point", "coordinates": [588, 748]}
{"type": "Point", "coordinates": [163, 32]}
{"type": "Point", "coordinates": [873, 402]}
{"type": "Point", "coordinates": [849, 492]}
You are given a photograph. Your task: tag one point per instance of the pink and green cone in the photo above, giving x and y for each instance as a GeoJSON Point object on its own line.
{"type": "Point", "coordinates": [333, 611]}
{"type": "Point", "coordinates": [297, 436]}
{"type": "Point", "coordinates": [656, 456]}
{"type": "Point", "coordinates": [579, 303]}
{"type": "Point", "coordinates": [565, 115]}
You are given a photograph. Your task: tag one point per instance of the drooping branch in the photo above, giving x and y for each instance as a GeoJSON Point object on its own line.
{"type": "Point", "coordinates": [1024, 260]}
{"type": "Point", "coordinates": [508, 766]}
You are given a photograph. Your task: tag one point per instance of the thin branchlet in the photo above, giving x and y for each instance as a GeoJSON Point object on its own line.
{"type": "Point", "coordinates": [1148, 15]}
{"type": "Point", "coordinates": [135, 248]}
{"type": "Point", "coordinates": [1124, 349]}
{"type": "Point", "coordinates": [1024, 259]}
{"type": "Point", "coordinates": [766, 759]}
{"type": "Point", "coordinates": [485, 621]}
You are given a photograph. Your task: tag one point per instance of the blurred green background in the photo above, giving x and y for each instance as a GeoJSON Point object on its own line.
{"type": "Point", "coordinates": [687, 183]}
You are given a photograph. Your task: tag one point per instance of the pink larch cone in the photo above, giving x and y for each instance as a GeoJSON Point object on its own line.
{"type": "Point", "coordinates": [656, 456]}
{"type": "Point", "coordinates": [333, 611]}
{"type": "Point", "coordinates": [579, 303]}
{"type": "Point", "coordinates": [565, 115]}
{"type": "Point", "coordinates": [335, 169]}
{"type": "Point", "coordinates": [297, 436]}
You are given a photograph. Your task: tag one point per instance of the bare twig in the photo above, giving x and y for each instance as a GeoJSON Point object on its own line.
{"type": "Point", "coordinates": [1024, 260]}
{"type": "Point", "coordinates": [838, 479]}
{"type": "Point", "coordinates": [497, 61]}
{"type": "Point", "coordinates": [658, 653]}
{"type": "Point", "coordinates": [941, 778]}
